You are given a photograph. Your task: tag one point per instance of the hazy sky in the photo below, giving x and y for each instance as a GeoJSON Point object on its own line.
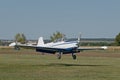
{"type": "Point", "coordinates": [35, 18]}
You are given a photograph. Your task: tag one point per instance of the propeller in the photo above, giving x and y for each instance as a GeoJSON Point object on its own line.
{"type": "Point", "coordinates": [79, 39]}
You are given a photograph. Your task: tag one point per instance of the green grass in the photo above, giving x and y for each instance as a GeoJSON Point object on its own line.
{"type": "Point", "coordinates": [20, 66]}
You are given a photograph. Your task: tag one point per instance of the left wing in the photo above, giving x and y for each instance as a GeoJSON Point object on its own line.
{"type": "Point", "coordinates": [26, 46]}
{"type": "Point", "coordinates": [52, 50]}
{"type": "Point", "coordinates": [18, 45]}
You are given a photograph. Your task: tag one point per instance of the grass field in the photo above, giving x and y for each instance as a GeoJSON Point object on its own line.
{"type": "Point", "coordinates": [29, 65]}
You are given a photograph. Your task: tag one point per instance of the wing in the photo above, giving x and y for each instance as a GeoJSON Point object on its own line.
{"type": "Point", "coordinates": [92, 48]}
{"type": "Point", "coordinates": [14, 44]}
{"type": "Point", "coordinates": [54, 50]}
{"type": "Point", "coordinates": [18, 46]}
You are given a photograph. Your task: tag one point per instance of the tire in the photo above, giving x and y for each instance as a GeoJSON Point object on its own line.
{"type": "Point", "coordinates": [59, 56]}
{"type": "Point", "coordinates": [74, 57]}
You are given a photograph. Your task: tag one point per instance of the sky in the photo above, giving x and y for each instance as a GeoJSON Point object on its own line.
{"type": "Point", "coordinates": [35, 18]}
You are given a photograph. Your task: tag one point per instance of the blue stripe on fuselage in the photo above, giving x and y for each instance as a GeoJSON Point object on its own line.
{"type": "Point", "coordinates": [54, 50]}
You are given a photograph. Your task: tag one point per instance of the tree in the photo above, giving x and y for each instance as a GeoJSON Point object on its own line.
{"type": "Point", "coordinates": [117, 40]}
{"type": "Point", "coordinates": [0, 42]}
{"type": "Point", "coordinates": [20, 37]}
{"type": "Point", "coordinates": [56, 36]}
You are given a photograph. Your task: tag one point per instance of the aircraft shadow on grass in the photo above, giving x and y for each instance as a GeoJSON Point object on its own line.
{"type": "Point", "coordinates": [65, 64]}
{"type": "Point", "coordinates": [68, 65]}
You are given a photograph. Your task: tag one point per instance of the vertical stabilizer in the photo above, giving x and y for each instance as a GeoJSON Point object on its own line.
{"type": "Point", "coordinates": [40, 41]}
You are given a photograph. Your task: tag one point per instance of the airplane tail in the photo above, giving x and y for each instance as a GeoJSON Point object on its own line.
{"type": "Point", "coordinates": [40, 41]}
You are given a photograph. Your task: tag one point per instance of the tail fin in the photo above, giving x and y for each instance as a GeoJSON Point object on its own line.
{"type": "Point", "coordinates": [40, 41]}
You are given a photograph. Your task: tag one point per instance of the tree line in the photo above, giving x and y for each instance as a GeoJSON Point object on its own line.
{"type": "Point", "coordinates": [56, 36]}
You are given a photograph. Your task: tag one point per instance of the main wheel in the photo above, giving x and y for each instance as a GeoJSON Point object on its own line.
{"type": "Point", "coordinates": [17, 48]}
{"type": "Point", "coordinates": [59, 56]}
{"type": "Point", "coordinates": [74, 57]}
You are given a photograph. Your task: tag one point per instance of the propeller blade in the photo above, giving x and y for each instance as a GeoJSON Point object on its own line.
{"type": "Point", "coordinates": [79, 39]}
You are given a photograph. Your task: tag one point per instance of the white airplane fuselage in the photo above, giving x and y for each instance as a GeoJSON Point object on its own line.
{"type": "Point", "coordinates": [62, 46]}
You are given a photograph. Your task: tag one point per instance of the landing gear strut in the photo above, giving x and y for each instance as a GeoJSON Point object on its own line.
{"type": "Point", "coordinates": [17, 48]}
{"type": "Point", "coordinates": [59, 55]}
{"type": "Point", "coordinates": [74, 56]}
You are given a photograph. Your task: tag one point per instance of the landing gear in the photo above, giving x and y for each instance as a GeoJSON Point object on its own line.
{"type": "Point", "coordinates": [74, 56]}
{"type": "Point", "coordinates": [17, 48]}
{"type": "Point", "coordinates": [59, 55]}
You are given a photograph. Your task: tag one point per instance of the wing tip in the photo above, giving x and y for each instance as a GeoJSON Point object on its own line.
{"type": "Point", "coordinates": [104, 47]}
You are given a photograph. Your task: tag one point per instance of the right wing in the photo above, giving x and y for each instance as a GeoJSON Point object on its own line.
{"type": "Point", "coordinates": [92, 48]}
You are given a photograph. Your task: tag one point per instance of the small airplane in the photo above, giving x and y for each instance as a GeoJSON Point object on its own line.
{"type": "Point", "coordinates": [60, 47]}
